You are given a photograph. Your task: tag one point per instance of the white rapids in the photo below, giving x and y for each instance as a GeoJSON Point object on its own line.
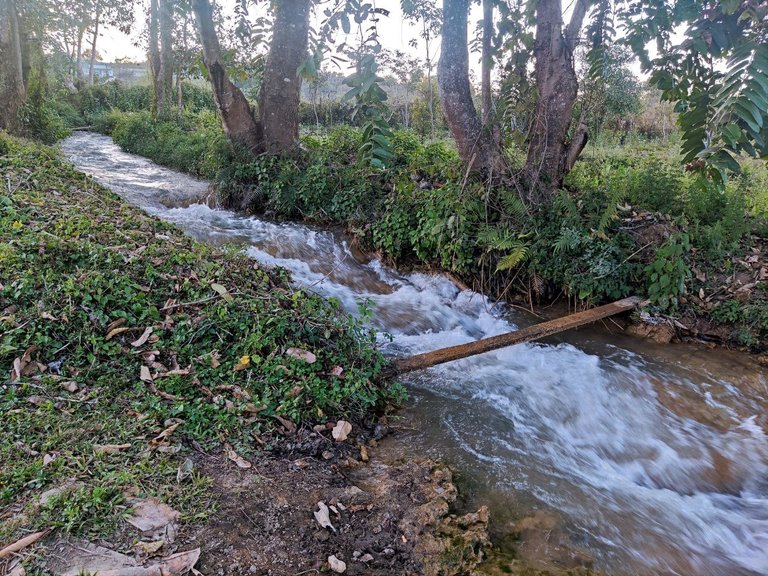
{"type": "Point", "coordinates": [655, 459]}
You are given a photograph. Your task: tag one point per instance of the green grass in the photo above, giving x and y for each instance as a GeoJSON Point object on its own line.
{"type": "Point", "coordinates": [76, 261]}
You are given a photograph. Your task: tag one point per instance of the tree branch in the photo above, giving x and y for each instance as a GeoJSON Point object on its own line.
{"type": "Point", "coordinates": [574, 26]}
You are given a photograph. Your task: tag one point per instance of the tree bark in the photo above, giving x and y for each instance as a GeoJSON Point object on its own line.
{"type": "Point", "coordinates": [237, 118]}
{"type": "Point", "coordinates": [93, 44]}
{"type": "Point", "coordinates": [281, 84]}
{"type": "Point", "coordinates": [13, 92]}
{"type": "Point", "coordinates": [79, 57]}
{"type": "Point", "coordinates": [550, 154]}
{"type": "Point", "coordinates": [165, 97]}
{"type": "Point", "coordinates": [154, 55]}
{"type": "Point", "coordinates": [487, 63]}
{"type": "Point", "coordinates": [474, 144]}
{"type": "Point", "coordinates": [535, 332]}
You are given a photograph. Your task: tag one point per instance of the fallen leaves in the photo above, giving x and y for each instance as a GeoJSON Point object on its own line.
{"type": "Point", "coordinates": [236, 458]}
{"type": "Point", "coordinates": [21, 544]}
{"type": "Point", "coordinates": [341, 430]}
{"type": "Point", "coordinates": [77, 557]}
{"type": "Point", "coordinates": [300, 354]}
{"type": "Point", "coordinates": [23, 365]}
{"type": "Point", "coordinates": [141, 340]}
{"type": "Point", "coordinates": [323, 516]}
{"type": "Point", "coordinates": [109, 448]}
{"type": "Point", "coordinates": [222, 291]}
{"type": "Point", "coordinates": [151, 514]}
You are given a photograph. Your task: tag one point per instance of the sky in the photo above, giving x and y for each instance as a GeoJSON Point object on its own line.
{"type": "Point", "coordinates": [394, 34]}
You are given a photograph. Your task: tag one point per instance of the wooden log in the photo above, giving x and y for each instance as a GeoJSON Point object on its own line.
{"type": "Point", "coordinates": [535, 332]}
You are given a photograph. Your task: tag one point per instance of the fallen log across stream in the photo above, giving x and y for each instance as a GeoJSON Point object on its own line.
{"type": "Point", "coordinates": [535, 332]}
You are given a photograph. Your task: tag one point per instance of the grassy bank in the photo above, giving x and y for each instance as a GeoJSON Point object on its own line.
{"type": "Point", "coordinates": [124, 343]}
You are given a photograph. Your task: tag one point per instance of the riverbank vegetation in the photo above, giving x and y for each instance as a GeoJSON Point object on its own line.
{"type": "Point", "coordinates": [127, 343]}
{"type": "Point", "coordinates": [574, 179]}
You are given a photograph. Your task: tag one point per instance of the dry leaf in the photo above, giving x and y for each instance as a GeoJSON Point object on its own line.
{"type": "Point", "coordinates": [21, 544]}
{"type": "Point", "coordinates": [164, 436]}
{"type": "Point", "coordinates": [184, 470]}
{"type": "Point", "coordinates": [300, 354]}
{"type": "Point", "coordinates": [287, 424]}
{"type": "Point", "coordinates": [145, 375]}
{"type": "Point", "coordinates": [222, 291]}
{"type": "Point", "coordinates": [337, 565]}
{"type": "Point", "coordinates": [116, 324]}
{"type": "Point", "coordinates": [48, 458]}
{"type": "Point", "coordinates": [143, 338]}
{"type": "Point", "coordinates": [114, 332]}
{"type": "Point", "coordinates": [337, 371]}
{"type": "Point", "coordinates": [109, 448]}
{"type": "Point", "coordinates": [341, 430]}
{"type": "Point", "coordinates": [215, 359]}
{"type": "Point", "coordinates": [150, 548]}
{"type": "Point", "coordinates": [69, 386]}
{"type": "Point", "coordinates": [323, 517]}
{"type": "Point", "coordinates": [236, 458]}
{"type": "Point", "coordinates": [48, 316]}
{"type": "Point", "coordinates": [151, 514]}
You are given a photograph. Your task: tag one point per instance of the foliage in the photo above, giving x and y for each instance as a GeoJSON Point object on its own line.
{"type": "Point", "coordinates": [668, 272]}
{"type": "Point", "coordinates": [217, 354]}
{"type": "Point", "coordinates": [722, 113]}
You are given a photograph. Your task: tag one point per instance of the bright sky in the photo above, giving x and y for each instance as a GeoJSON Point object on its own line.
{"type": "Point", "coordinates": [394, 33]}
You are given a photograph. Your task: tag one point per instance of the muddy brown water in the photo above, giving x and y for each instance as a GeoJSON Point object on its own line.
{"type": "Point", "coordinates": [652, 460]}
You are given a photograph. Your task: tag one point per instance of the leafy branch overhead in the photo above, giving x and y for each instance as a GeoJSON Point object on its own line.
{"type": "Point", "coordinates": [718, 75]}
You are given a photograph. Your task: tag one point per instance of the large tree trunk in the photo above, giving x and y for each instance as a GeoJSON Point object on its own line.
{"type": "Point", "coordinates": [165, 83]}
{"type": "Point", "coordinates": [485, 77]}
{"type": "Point", "coordinates": [154, 55]}
{"type": "Point", "coordinates": [93, 44]}
{"type": "Point", "coordinates": [13, 91]}
{"type": "Point", "coordinates": [474, 144]}
{"type": "Point", "coordinates": [281, 84]}
{"type": "Point", "coordinates": [237, 118]}
{"type": "Point", "coordinates": [79, 50]}
{"type": "Point", "coordinates": [550, 154]}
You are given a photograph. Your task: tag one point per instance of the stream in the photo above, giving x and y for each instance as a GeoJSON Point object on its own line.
{"type": "Point", "coordinates": [653, 459]}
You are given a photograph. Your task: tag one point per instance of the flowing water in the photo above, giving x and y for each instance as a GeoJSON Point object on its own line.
{"type": "Point", "coordinates": [654, 459]}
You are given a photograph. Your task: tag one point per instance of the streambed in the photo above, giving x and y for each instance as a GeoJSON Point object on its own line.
{"type": "Point", "coordinates": [653, 459]}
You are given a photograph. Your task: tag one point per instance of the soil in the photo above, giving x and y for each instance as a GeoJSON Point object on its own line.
{"type": "Point", "coordinates": [388, 517]}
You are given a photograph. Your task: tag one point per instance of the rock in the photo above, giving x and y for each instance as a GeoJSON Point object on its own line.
{"type": "Point", "coordinates": [337, 565]}
{"type": "Point", "coordinates": [662, 333]}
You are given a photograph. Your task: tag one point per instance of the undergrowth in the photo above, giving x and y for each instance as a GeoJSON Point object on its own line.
{"type": "Point", "coordinates": [607, 235]}
{"type": "Point", "coordinates": [114, 326]}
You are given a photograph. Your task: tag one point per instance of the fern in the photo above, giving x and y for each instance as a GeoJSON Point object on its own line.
{"type": "Point", "coordinates": [568, 240]}
{"type": "Point", "coordinates": [513, 258]}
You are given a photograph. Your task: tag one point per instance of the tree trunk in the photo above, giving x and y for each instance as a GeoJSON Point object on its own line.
{"type": "Point", "coordinates": [79, 70]}
{"type": "Point", "coordinates": [93, 44]}
{"type": "Point", "coordinates": [487, 63]}
{"type": "Point", "coordinates": [550, 154]}
{"type": "Point", "coordinates": [281, 84]}
{"type": "Point", "coordinates": [13, 91]}
{"type": "Point", "coordinates": [179, 72]}
{"type": "Point", "coordinates": [165, 98]}
{"type": "Point", "coordinates": [237, 118]}
{"type": "Point", "coordinates": [475, 145]}
{"type": "Point", "coordinates": [154, 55]}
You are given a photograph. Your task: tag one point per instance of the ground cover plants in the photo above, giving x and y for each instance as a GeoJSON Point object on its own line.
{"type": "Point", "coordinates": [123, 343]}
